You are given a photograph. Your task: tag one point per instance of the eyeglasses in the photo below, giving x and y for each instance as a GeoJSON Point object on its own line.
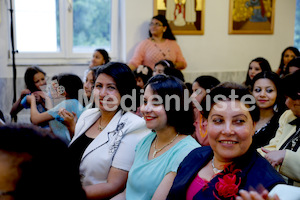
{"type": "Point", "coordinates": [155, 24]}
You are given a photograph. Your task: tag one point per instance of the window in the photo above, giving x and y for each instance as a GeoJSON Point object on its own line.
{"type": "Point", "coordinates": [297, 26]}
{"type": "Point", "coordinates": [64, 29]}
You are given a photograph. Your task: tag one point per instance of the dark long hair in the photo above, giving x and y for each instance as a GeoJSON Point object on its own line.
{"type": "Point", "coordinates": [272, 76]}
{"type": "Point", "coordinates": [28, 77]}
{"type": "Point", "coordinates": [124, 78]}
{"type": "Point", "coordinates": [293, 49]}
{"type": "Point", "coordinates": [168, 33]}
{"type": "Point", "coordinates": [104, 54]}
{"type": "Point", "coordinates": [182, 120]}
{"type": "Point", "coordinates": [264, 65]}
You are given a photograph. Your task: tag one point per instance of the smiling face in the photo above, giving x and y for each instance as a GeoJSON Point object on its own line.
{"type": "Point", "coordinates": [106, 94]}
{"type": "Point", "coordinates": [154, 112]}
{"type": "Point", "coordinates": [39, 80]}
{"type": "Point", "coordinates": [230, 129]}
{"type": "Point", "coordinates": [89, 83]}
{"type": "Point", "coordinates": [265, 93]}
{"type": "Point", "coordinates": [254, 69]}
{"type": "Point", "coordinates": [288, 56]}
{"type": "Point", "coordinates": [97, 59]}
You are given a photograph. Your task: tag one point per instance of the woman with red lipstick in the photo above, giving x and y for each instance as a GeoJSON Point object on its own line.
{"type": "Point", "coordinates": [230, 163]}
{"type": "Point", "coordinates": [105, 137]}
{"type": "Point", "coordinates": [256, 66]}
{"type": "Point", "coordinates": [267, 90]}
{"type": "Point", "coordinates": [158, 154]}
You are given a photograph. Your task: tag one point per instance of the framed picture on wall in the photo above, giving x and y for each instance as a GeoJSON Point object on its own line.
{"type": "Point", "coordinates": [251, 16]}
{"type": "Point", "coordinates": [185, 17]}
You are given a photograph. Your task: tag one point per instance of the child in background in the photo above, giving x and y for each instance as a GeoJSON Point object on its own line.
{"type": "Point", "coordinates": [34, 78]}
{"type": "Point", "coordinates": [69, 84]}
{"type": "Point", "coordinates": [100, 57]}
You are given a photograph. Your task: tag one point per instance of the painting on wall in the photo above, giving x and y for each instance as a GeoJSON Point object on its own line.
{"type": "Point", "coordinates": [251, 16]}
{"type": "Point", "coordinates": [185, 17]}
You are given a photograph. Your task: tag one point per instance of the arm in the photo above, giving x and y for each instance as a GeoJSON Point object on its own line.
{"type": "Point", "coordinates": [36, 117]}
{"type": "Point", "coordinates": [180, 62]}
{"type": "Point", "coordinates": [70, 120]}
{"type": "Point", "coordinates": [17, 107]}
{"type": "Point", "coordinates": [121, 196]}
{"type": "Point", "coordinates": [116, 181]}
{"type": "Point", "coordinates": [138, 56]}
{"type": "Point", "coordinates": [164, 187]}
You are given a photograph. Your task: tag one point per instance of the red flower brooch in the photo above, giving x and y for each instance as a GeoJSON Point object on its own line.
{"type": "Point", "coordinates": [228, 185]}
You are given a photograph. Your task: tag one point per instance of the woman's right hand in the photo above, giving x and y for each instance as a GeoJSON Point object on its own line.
{"type": "Point", "coordinates": [24, 92]}
{"type": "Point", "coordinates": [254, 195]}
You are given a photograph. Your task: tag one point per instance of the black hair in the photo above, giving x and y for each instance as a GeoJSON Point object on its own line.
{"type": "Point", "coordinates": [293, 49]}
{"type": "Point", "coordinates": [272, 76]}
{"type": "Point", "coordinates": [225, 89]}
{"type": "Point", "coordinates": [124, 78]}
{"type": "Point", "coordinates": [104, 54]}
{"type": "Point", "coordinates": [168, 33]}
{"type": "Point", "coordinates": [295, 62]}
{"type": "Point", "coordinates": [165, 63]}
{"type": "Point", "coordinates": [45, 169]}
{"type": "Point", "coordinates": [174, 72]}
{"type": "Point", "coordinates": [71, 83]}
{"type": "Point", "coordinates": [28, 77]}
{"type": "Point", "coordinates": [264, 65]}
{"type": "Point", "coordinates": [207, 82]}
{"type": "Point", "coordinates": [182, 120]}
{"type": "Point", "coordinates": [145, 74]}
{"type": "Point", "coordinates": [291, 85]}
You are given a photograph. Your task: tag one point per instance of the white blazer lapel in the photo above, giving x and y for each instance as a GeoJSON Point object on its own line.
{"type": "Point", "coordinates": [104, 136]}
{"type": "Point", "coordinates": [86, 123]}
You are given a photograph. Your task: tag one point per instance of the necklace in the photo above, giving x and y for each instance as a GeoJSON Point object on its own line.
{"type": "Point", "coordinates": [159, 49]}
{"type": "Point", "coordinates": [100, 128]}
{"type": "Point", "coordinates": [216, 171]}
{"type": "Point", "coordinates": [158, 150]}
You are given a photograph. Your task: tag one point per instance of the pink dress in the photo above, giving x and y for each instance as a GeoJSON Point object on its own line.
{"type": "Point", "coordinates": [148, 53]}
{"type": "Point", "coordinates": [196, 185]}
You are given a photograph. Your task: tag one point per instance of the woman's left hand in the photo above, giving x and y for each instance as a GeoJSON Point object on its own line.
{"type": "Point", "coordinates": [274, 157]}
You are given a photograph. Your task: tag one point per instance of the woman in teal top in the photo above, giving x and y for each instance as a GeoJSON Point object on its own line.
{"type": "Point", "coordinates": [159, 154]}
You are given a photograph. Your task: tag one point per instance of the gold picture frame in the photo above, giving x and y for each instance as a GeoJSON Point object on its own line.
{"type": "Point", "coordinates": [185, 17]}
{"type": "Point", "coordinates": [251, 17]}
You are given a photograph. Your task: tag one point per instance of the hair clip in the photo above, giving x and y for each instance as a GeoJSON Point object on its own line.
{"type": "Point", "coordinates": [142, 69]}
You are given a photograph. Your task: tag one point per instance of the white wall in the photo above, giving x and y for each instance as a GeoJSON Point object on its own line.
{"type": "Point", "coordinates": [216, 50]}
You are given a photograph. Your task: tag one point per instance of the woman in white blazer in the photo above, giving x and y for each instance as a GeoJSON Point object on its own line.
{"type": "Point", "coordinates": [103, 146]}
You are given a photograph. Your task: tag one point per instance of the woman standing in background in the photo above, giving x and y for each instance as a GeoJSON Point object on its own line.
{"type": "Point", "coordinates": [160, 45]}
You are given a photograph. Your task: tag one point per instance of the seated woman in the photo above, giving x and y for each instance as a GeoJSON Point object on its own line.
{"type": "Point", "coordinates": [105, 137]}
{"type": "Point", "coordinates": [34, 78]}
{"type": "Point", "coordinates": [230, 163]}
{"type": "Point", "coordinates": [35, 165]}
{"type": "Point", "coordinates": [268, 93]}
{"type": "Point", "coordinates": [287, 55]}
{"type": "Point", "coordinates": [283, 151]}
{"type": "Point", "coordinates": [69, 84]}
{"type": "Point", "coordinates": [256, 66]}
{"type": "Point", "coordinates": [201, 86]}
{"type": "Point", "coordinates": [158, 155]}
